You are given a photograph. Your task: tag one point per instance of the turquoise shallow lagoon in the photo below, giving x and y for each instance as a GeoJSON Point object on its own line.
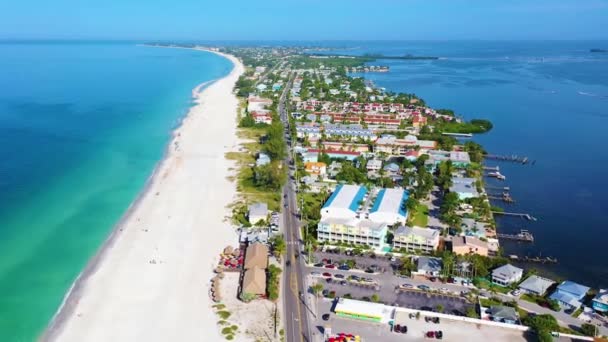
{"type": "Point", "coordinates": [82, 127]}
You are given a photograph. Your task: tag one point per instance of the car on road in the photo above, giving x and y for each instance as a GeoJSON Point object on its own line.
{"type": "Point", "coordinates": [424, 287]}
{"type": "Point", "coordinates": [516, 292]}
{"type": "Point", "coordinates": [406, 286]}
{"type": "Point", "coordinates": [327, 274]}
{"type": "Point", "coordinates": [325, 317]}
{"type": "Point", "coordinates": [444, 290]}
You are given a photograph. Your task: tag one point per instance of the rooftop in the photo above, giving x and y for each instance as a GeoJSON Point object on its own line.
{"type": "Point", "coordinates": [429, 264]}
{"type": "Point", "coordinates": [427, 233]}
{"type": "Point", "coordinates": [391, 201]}
{"type": "Point", "coordinates": [258, 209]}
{"type": "Point", "coordinates": [350, 306]}
{"type": "Point", "coordinates": [574, 288]}
{"type": "Point", "coordinates": [508, 271]}
{"type": "Point", "coordinates": [536, 284]}
{"type": "Point", "coordinates": [346, 197]}
{"type": "Point", "coordinates": [254, 281]}
{"type": "Point", "coordinates": [256, 255]}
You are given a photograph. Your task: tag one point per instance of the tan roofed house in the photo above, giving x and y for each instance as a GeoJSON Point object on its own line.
{"type": "Point", "coordinates": [254, 281]}
{"type": "Point", "coordinates": [462, 245]}
{"type": "Point", "coordinates": [256, 255]}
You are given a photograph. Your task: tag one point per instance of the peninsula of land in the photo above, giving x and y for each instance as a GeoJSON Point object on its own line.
{"type": "Point", "coordinates": [150, 280]}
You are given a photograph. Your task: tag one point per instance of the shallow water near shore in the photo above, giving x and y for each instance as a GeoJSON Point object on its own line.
{"type": "Point", "coordinates": [82, 126]}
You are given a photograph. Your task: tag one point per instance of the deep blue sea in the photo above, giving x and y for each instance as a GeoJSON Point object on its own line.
{"type": "Point", "coordinates": [81, 129]}
{"type": "Point", "coordinates": [548, 101]}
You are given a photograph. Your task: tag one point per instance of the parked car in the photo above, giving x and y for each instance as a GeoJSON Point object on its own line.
{"type": "Point", "coordinates": [325, 293]}
{"type": "Point", "coordinates": [516, 292]}
{"type": "Point", "coordinates": [406, 286]}
{"type": "Point", "coordinates": [369, 270]}
{"type": "Point", "coordinates": [339, 276]}
{"type": "Point", "coordinates": [343, 268]}
{"type": "Point", "coordinates": [397, 328]}
{"type": "Point", "coordinates": [433, 279]}
{"type": "Point", "coordinates": [439, 334]}
{"type": "Point", "coordinates": [327, 274]}
{"type": "Point", "coordinates": [444, 290]}
{"type": "Point", "coordinates": [320, 264]}
{"type": "Point", "coordinates": [424, 287]}
{"type": "Point", "coordinates": [343, 282]}
{"type": "Point", "coordinates": [315, 273]}
{"type": "Point", "coordinates": [355, 278]}
{"type": "Point", "coordinates": [404, 329]}
{"type": "Point", "coordinates": [435, 320]}
{"type": "Point", "coordinates": [430, 334]}
{"type": "Point", "coordinates": [325, 317]}
{"type": "Point", "coordinates": [330, 266]}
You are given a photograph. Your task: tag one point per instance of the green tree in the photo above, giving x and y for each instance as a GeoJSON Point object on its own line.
{"type": "Point", "coordinates": [278, 245]}
{"type": "Point", "coordinates": [375, 298]}
{"type": "Point", "coordinates": [317, 288]}
{"type": "Point", "coordinates": [588, 329]}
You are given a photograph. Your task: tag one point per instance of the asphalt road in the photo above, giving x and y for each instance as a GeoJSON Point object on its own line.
{"type": "Point", "coordinates": [295, 310]}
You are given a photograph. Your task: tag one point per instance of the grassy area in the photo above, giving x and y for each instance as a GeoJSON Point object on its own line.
{"type": "Point", "coordinates": [420, 216]}
{"type": "Point", "coordinates": [244, 176]}
{"type": "Point", "coordinates": [489, 302]}
{"type": "Point", "coordinates": [486, 284]}
{"type": "Point", "coordinates": [577, 312]}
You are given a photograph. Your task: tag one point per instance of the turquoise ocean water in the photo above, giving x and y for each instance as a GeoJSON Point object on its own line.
{"type": "Point", "coordinates": [81, 128]}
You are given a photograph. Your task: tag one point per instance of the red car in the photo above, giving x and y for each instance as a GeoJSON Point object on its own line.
{"type": "Point", "coordinates": [326, 274]}
{"type": "Point", "coordinates": [330, 266]}
{"type": "Point", "coordinates": [430, 334]}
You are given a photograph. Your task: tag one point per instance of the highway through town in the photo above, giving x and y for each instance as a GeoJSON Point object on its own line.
{"type": "Point", "coordinates": [294, 294]}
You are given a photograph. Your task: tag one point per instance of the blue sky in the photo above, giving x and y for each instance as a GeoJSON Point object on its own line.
{"type": "Point", "coordinates": [304, 19]}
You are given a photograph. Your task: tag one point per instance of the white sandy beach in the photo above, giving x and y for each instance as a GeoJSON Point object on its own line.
{"type": "Point", "coordinates": [150, 282]}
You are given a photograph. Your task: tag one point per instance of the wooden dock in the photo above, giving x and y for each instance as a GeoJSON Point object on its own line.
{"type": "Point", "coordinates": [505, 197]}
{"type": "Point", "coordinates": [537, 259]}
{"type": "Point", "coordinates": [504, 188]}
{"type": "Point", "coordinates": [522, 215]}
{"type": "Point", "coordinates": [491, 168]}
{"type": "Point", "coordinates": [523, 235]}
{"type": "Point", "coordinates": [511, 158]}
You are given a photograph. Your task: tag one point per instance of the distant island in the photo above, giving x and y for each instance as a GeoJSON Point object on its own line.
{"type": "Point", "coordinates": [373, 57]}
{"type": "Point", "coordinates": [598, 50]}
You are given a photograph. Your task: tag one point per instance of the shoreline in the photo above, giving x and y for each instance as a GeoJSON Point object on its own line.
{"type": "Point", "coordinates": [67, 310]}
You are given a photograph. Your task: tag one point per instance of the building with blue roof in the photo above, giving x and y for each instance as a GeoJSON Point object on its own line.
{"type": "Point", "coordinates": [354, 214]}
{"type": "Point", "coordinates": [569, 295]}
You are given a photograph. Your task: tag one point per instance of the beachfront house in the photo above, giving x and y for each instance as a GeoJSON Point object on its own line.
{"type": "Point", "coordinates": [600, 301]}
{"type": "Point", "coordinates": [254, 282]}
{"type": "Point", "coordinates": [507, 275]}
{"type": "Point", "coordinates": [464, 187]}
{"type": "Point", "coordinates": [428, 266]}
{"type": "Point", "coordinates": [569, 295]}
{"type": "Point", "coordinates": [535, 285]}
{"type": "Point", "coordinates": [463, 245]}
{"type": "Point", "coordinates": [257, 212]}
{"type": "Point", "coordinates": [414, 239]}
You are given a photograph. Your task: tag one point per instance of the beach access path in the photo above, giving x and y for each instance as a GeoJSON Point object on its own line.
{"type": "Point", "coordinates": [150, 281]}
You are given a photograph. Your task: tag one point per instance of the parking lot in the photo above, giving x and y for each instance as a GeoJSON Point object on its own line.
{"type": "Point", "coordinates": [425, 301]}
{"type": "Point", "coordinates": [363, 262]}
{"type": "Point", "coordinates": [452, 330]}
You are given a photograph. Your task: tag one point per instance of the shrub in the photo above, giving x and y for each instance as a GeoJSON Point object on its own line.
{"type": "Point", "coordinates": [224, 314]}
